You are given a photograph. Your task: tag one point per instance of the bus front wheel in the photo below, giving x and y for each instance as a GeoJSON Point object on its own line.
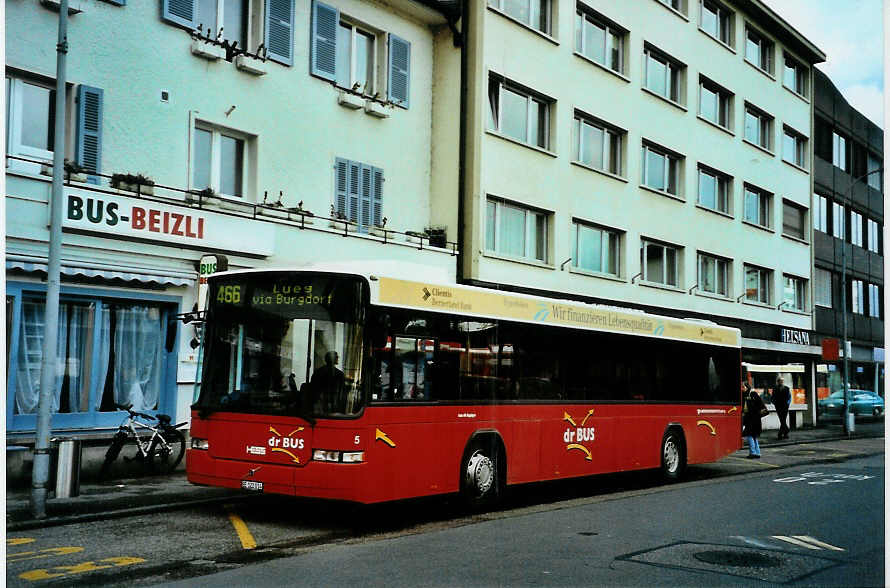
{"type": "Point", "coordinates": [481, 475]}
{"type": "Point", "coordinates": [673, 455]}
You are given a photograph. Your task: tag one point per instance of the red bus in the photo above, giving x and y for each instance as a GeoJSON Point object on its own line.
{"type": "Point", "coordinates": [369, 388]}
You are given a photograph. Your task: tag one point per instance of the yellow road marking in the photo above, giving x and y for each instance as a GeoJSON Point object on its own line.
{"type": "Point", "coordinates": [19, 541]}
{"type": "Point", "coordinates": [815, 541]}
{"type": "Point", "coordinates": [794, 541]}
{"type": "Point", "coordinates": [247, 540]}
{"type": "Point", "coordinates": [87, 566]}
{"type": "Point", "coordinates": [26, 555]}
{"type": "Point", "coordinates": [752, 462]}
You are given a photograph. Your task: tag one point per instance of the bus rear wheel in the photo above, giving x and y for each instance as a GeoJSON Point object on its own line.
{"type": "Point", "coordinates": [481, 476]}
{"type": "Point", "coordinates": [673, 455]}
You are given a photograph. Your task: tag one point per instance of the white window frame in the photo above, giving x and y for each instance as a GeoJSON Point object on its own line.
{"type": "Point", "coordinates": [530, 96]}
{"type": "Point", "coordinates": [874, 301]}
{"type": "Point", "coordinates": [721, 287]}
{"type": "Point", "coordinates": [855, 228]}
{"type": "Point", "coordinates": [799, 85]}
{"type": "Point", "coordinates": [675, 5]}
{"type": "Point", "coordinates": [724, 103]}
{"type": "Point", "coordinates": [794, 293]}
{"type": "Point", "coordinates": [356, 31]}
{"type": "Point", "coordinates": [674, 82]}
{"type": "Point", "coordinates": [763, 127]}
{"type": "Point", "coordinates": [820, 213]}
{"type": "Point", "coordinates": [606, 236]}
{"type": "Point", "coordinates": [874, 233]}
{"type": "Point", "coordinates": [612, 146]}
{"type": "Point", "coordinates": [530, 216]}
{"type": "Point", "coordinates": [763, 292]}
{"type": "Point", "coordinates": [764, 60]}
{"type": "Point", "coordinates": [857, 297]}
{"type": "Point", "coordinates": [672, 161]}
{"type": "Point", "coordinates": [724, 31]}
{"type": "Point", "coordinates": [612, 36]}
{"type": "Point", "coordinates": [544, 12]}
{"type": "Point", "coordinates": [722, 189]}
{"type": "Point", "coordinates": [798, 146]}
{"type": "Point", "coordinates": [838, 220]}
{"type": "Point", "coordinates": [249, 17]}
{"type": "Point", "coordinates": [663, 279]}
{"type": "Point", "coordinates": [822, 287]}
{"type": "Point", "coordinates": [217, 132]}
{"type": "Point", "coordinates": [839, 151]}
{"type": "Point", "coordinates": [14, 121]}
{"type": "Point", "coordinates": [764, 207]}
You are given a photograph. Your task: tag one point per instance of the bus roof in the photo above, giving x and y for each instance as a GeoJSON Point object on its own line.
{"type": "Point", "coordinates": [433, 291]}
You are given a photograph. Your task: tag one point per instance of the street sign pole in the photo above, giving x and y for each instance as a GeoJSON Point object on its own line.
{"type": "Point", "coordinates": [50, 363]}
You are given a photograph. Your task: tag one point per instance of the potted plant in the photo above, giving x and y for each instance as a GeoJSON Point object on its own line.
{"type": "Point", "coordinates": [198, 196]}
{"type": "Point", "coordinates": [133, 183]}
{"type": "Point", "coordinates": [414, 236]}
{"type": "Point", "coordinates": [379, 230]}
{"type": "Point", "coordinates": [303, 215]}
{"type": "Point", "coordinates": [75, 172]}
{"type": "Point", "coordinates": [339, 221]}
{"type": "Point", "coordinates": [436, 236]}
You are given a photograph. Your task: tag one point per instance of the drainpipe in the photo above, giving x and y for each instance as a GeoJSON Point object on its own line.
{"type": "Point", "coordinates": [462, 152]}
{"type": "Point", "coordinates": [50, 363]}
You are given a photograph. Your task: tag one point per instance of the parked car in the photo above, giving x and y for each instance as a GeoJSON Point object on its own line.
{"type": "Point", "coordinates": [861, 402]}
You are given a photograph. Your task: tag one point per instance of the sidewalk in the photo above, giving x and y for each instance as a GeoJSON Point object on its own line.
{"type": "Point", "coordinates": [129, 497]}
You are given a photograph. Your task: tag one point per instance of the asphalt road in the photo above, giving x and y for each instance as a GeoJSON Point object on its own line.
{"type": "Point", "coordinates": [623, 529]}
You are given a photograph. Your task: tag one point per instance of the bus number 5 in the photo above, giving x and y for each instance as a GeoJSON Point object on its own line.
{"type": "Point", "coordinates": [357, 440]}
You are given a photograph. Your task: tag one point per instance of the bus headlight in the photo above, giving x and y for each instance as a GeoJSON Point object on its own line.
{"type": "Point", "coordinates": [202, 444]}
{"type": "Point", "coordinates": [338, 456]}
{"type": "Point", "coordinates": [323, 455]}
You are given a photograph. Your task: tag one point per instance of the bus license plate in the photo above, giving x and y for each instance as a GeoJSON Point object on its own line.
{"type": "Point", "coordinates": [252, 485]}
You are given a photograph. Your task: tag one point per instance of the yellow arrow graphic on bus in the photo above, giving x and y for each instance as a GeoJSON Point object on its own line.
{"type": "Point", "coordinates": [587, 416]}
{"type": "Point", "coordinates": [567, 417]}
{"type": "Point", "coordinates": [293, 457]}
{"type": "Point", "coordinates": [582, 448]}
{"type": "Point", "coordinates": [708, 425]}
{"type": "Point", "coordinates": [297, 430]}
{"type": "Point", "coordinates": [381, 436]}
{"type": "Point", "coordinates": [733, 409]}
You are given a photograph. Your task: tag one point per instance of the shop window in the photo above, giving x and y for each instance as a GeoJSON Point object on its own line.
{"type": "Point", "coordinates": [109, 352]}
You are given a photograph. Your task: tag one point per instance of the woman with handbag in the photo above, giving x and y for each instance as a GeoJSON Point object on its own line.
{"type": "Point", "coordinates": [754, 409]}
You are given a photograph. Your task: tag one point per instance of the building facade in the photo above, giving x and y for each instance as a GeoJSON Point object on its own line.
{"type": "Point", "coordinates": [848, 228]}
{"type": "Point", "coordinates": [653, 154]}
{"type": "Point", "coordinates": [276, 133]}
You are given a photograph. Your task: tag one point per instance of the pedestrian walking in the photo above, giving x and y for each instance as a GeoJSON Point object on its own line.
{"type": "Point", "coordinates": [752, 411]}
{"type": "Point", "coordinates": [782, 401]}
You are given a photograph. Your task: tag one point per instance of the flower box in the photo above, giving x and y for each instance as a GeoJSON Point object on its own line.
{"type": "Point", "coordinates": [375, 109]}
{"type": "Point", "coordinates": [251, 65]}
{"type": "Point", "coordinates": [343, 225]}
{"type": "Point", "coordinates": [138, 188]}
{"type": "Point", "coordinates": [350, 101]}
{"type": "Point", "coordinates": [208, 50]}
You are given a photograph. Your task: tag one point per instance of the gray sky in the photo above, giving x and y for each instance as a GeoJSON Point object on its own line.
{"type": "Point", "coordinates": [850, 32]}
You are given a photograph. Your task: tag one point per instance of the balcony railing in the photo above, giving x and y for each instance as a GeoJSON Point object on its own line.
{"type": "Point", "coordinates": [266, 211]}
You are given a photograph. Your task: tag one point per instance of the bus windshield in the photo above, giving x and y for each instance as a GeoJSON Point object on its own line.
{"type": "Point", "coordinates": [284, 344]}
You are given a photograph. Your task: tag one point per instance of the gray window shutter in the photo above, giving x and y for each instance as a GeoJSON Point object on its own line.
{"type": "Point", "coordinates": [376, 195]}
{"type": "Point", "coordinates": [352, 191]}
{"type": "Point", "coordinates": [181, 12]}
{"type": "Point", "coordinates": [399, 71]}
{"type": "Point", "coordinates": [342, 180]}
{"type": "Point", "coordinates": [280, 30]}
{"type": "Point", "coordinates": [365, 194]}
{"type": "Point", "coordinates": [88, 137]}
{"type": "Point", "coordinates": [325, 20]}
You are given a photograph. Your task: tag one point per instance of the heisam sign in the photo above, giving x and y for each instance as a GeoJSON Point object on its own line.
{"type": "Point", "coordinates": [117, 216]}
{"type": "Point", "coordinates": [795, 337]}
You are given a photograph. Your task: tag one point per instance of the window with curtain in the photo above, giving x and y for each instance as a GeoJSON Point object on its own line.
{"type": "Point", "coordinates": [516, 231]}
{"type": "Point", "coordinates": [108, 352]}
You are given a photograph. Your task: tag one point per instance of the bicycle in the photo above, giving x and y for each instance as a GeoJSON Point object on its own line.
{"type": "Point", "coordinates": [161, 451]}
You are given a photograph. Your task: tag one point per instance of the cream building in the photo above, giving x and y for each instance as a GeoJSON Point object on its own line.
{"type": "Point", "coordinates": [245, 115]}
{"type": "Point", "coordinates": [647, 153]}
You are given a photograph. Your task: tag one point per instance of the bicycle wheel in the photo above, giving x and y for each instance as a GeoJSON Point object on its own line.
{"type": "Point", "coordinates": [113, 451]}
{"type": "Point", "coordinates": [166, 451]}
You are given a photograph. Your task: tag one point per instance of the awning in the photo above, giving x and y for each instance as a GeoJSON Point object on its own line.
{"type": "Point", "coordinates": [96, 271]}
